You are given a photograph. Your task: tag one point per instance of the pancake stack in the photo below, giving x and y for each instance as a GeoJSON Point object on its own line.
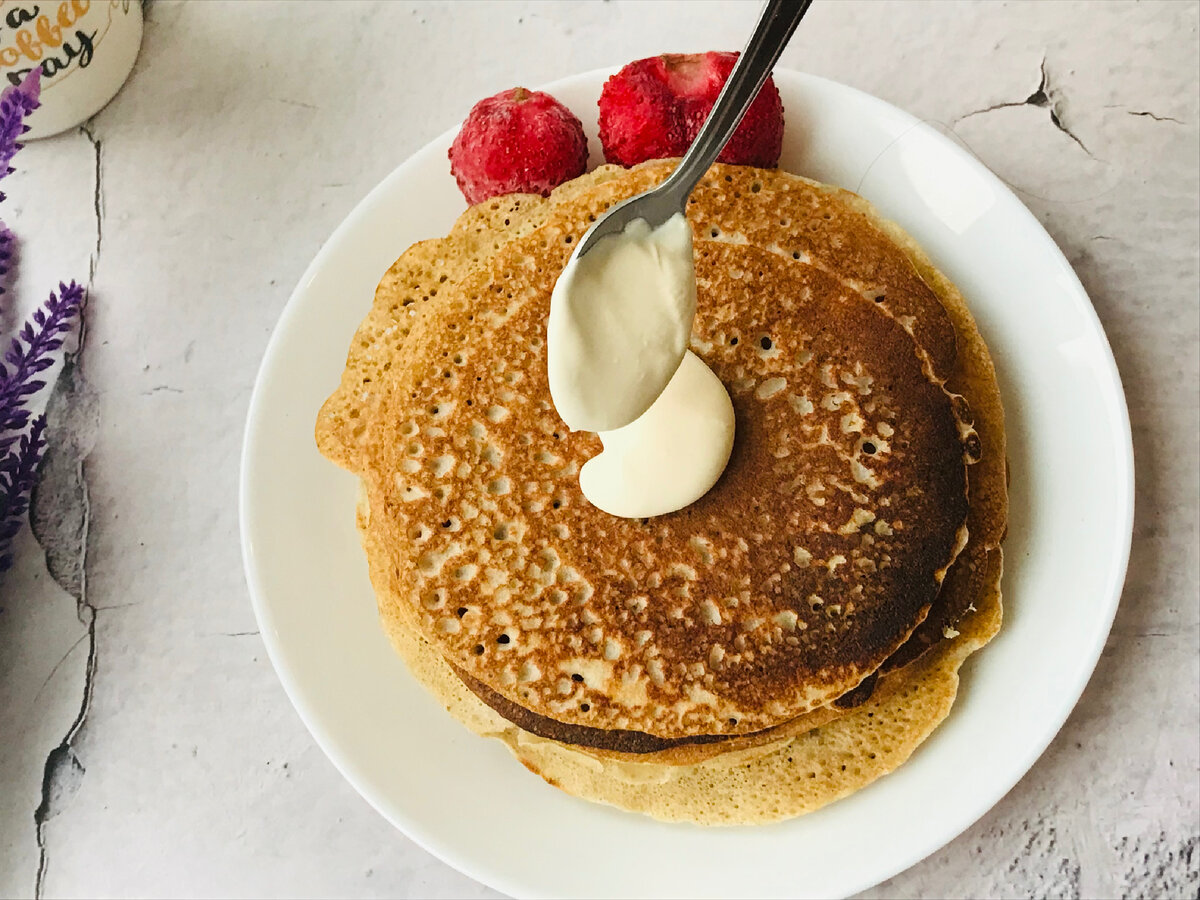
{"type": "Point", "coordinates": [778, 644]}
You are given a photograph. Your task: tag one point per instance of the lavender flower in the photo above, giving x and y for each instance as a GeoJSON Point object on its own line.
{"type": "Point", "coordinates": [18, 471]}
{"type": "Point", "coordinates": [31, 351]}
{"type": "Point", "coordinates": [18, 378]}
{"type": "Point", "coordinates": [29, 355]}
{"type": "Point", "coordinates": [17, 102]}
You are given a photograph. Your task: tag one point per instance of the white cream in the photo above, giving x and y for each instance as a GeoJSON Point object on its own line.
{"type": "Point", "coordinates": [618, 364]}
{"type": "Point", "coordinates": [669, 456]}
{"type": "Point", "coordinates": [620, 319]}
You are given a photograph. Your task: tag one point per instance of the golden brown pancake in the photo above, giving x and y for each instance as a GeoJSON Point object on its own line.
{"type": "Point", "coordinates": [893, 267]}
{"type": "Point", "coordinates": [809, 762]}
{"type": "Point", "coordinates": [970, 588]}
{"type": "Point", "coordinates": [811, 560]}
{"type": "Point", "coordinates": [967, 579]}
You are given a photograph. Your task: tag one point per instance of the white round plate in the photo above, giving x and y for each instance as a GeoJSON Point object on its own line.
{"type": "Point", "coordinates": [463, 797]}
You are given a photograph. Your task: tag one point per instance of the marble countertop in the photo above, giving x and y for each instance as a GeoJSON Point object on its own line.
{"type": "Point", "coordinates": [146, 746]}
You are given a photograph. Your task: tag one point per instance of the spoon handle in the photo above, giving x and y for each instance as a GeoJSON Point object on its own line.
{"type": "Point", "coordinates": [776, 24]}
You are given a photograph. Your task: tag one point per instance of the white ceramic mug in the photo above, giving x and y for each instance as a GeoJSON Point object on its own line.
{"type": "Point", "coordinates": [86, 49]}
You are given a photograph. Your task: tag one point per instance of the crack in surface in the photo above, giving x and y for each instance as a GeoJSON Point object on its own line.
{"type": "Point", "coordinates": [1058, 123]}
{"type": "Point", "coordinates": [58, 665]}
{"type": "Point", "coordinates": [1154, 116]}
{"type": "Point", "coordinates": [60, 516]}
{"type": "Point", "coordinates": [97, 199]}
{"type": "Point", "coordinates": [299, 103]}
{"type": "Point", "coordinates": [64, 772]}
{"type": "Point", "coordinates": [988, 109]}
{"type": "Point", "coordinates": [1044, 96]}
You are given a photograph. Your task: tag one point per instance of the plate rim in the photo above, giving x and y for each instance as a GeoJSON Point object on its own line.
{"type": "Point", "coordinates": [411, 827]}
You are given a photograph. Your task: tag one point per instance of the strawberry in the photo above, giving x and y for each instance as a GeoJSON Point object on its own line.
{"type": "Point", "coordinates": [517, 141]}
{"type": "Point", "coordinates": [653, 108]}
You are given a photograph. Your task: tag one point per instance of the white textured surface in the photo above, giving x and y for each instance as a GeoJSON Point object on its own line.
{"type": "Point", "coordinates": [244, 136]}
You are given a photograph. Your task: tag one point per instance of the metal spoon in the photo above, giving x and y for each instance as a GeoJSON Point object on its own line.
{"type": "Point", "coordinates": [776, 24]}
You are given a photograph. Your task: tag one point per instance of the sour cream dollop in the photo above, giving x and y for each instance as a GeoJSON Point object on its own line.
{"type": "Point", "coordinates": [618, 364]}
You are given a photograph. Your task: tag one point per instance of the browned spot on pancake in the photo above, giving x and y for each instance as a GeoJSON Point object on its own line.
{"type": "Point", "coordinates": [860, 694]}
{"type": "Point", "coordinates": [579, 735]}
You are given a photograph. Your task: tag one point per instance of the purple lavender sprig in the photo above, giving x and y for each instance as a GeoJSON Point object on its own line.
{"type": "Point", "coordinates": [16, 103]}
{"type": "Point", "coordinates": [30, 354]}
{"type": "Point", "coordinates": [18, 471]}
